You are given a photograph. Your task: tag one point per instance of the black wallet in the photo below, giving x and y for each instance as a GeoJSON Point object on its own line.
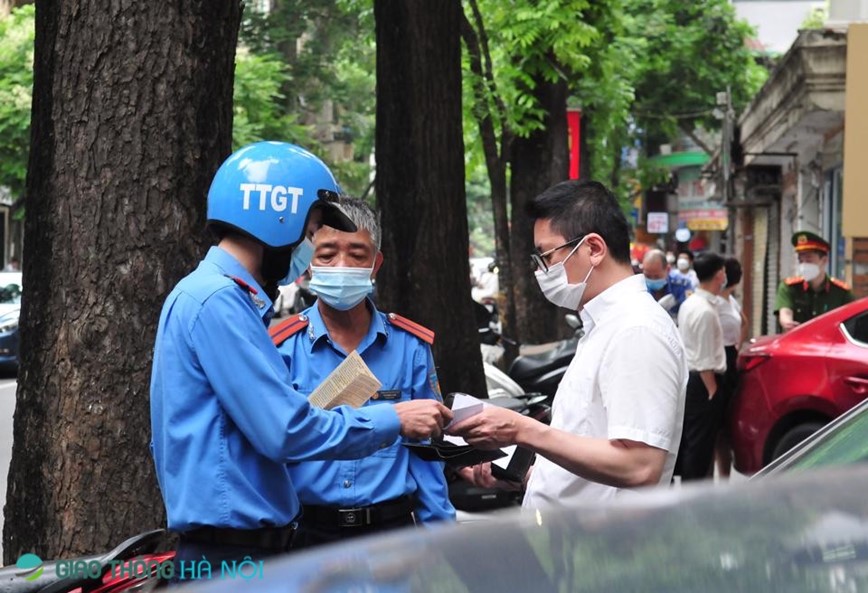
{"type": "Point", "coordinates": [516, 469]}
{"type": "Point", "coordinates": [452, 454]}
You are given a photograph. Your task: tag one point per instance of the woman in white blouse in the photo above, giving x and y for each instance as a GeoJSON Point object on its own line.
{"type": "Point", "coordinates": [733, 321]}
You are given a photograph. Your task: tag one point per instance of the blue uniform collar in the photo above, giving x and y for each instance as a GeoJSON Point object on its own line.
{"type": "Point", "coordinates": [318, 333]}
{"type": "Point", "coordinates": [231, 267]}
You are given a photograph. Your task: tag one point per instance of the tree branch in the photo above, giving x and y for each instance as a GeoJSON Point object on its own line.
{"type": "Point", "coordinates": [692, 135]}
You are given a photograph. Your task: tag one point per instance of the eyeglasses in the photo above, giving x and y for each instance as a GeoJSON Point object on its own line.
{"type": "Point", "coordinates": [538, 260]}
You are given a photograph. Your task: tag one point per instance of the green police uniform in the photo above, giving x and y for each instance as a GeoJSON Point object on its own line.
{"type": "Point", "coordinates": [796, 293]}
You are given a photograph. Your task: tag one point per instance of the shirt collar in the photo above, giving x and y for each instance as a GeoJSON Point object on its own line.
{"type": "Point", "coordinates": [231, 267]}
{"type": "Point", "coordinates": [598, 307]}
{"type": "Point", "coordinates": [317, 331]}
{"type": "Point", "coordinates": [711, 298]}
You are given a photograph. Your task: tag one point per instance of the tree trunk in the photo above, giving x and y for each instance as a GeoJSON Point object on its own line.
{"type": "Point", "coordinates": [496, 159]}
{"type": "Point", "coordinates": [420, 181]}
{"type": "Point", "coordinates": [132, 114]}
{"type": "Point", "coordinates": [538, 161]}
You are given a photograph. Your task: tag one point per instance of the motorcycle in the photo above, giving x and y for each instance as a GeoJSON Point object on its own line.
{"type": "Point", "coordinates": [537, 369]}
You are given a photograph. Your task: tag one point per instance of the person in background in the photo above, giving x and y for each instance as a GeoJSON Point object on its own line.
{"type": "Point", "coordinates": [667, 288]}
{"type": "Point", "coordinates": [701, 332]}
{"type": "Point", "coordinates": [392, 488]}
{"type": "Point", "coordinates": [684, 268]}
{"type": "Point", "coordinates": [733, 322]}
{"type": "Point", "coordinates": [813, 292]}
{"type": "Point", "coordinates": [12, 266]}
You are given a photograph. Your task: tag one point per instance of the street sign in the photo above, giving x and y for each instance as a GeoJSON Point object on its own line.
{"type": "Point", "coordinates": [657, 222]}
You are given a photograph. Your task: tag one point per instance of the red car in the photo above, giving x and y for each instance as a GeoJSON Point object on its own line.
{"type": "Point", "coordinates": [794, 383]}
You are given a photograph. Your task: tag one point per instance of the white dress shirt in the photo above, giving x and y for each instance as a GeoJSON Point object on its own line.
{"type": "Point", "coordinates": [702, 333]}
{"type": "Point", "coordinates": [627, 381]}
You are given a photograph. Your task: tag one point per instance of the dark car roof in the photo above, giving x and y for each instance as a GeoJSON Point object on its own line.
{"type": "Point", "coordinates": [797, 532]}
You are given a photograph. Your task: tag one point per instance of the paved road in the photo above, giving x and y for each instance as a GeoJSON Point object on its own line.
{"type": "Point", "coordinates": [7, 409]}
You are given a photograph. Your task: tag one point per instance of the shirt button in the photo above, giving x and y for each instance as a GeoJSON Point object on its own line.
{"type": "Point", "coordinates": [347, 483]}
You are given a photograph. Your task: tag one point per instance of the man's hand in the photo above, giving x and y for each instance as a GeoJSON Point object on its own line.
{"type": "Point", "coordinates": [481, 476]}
{"type": "Point", "coordinates": [492, 428]}
{"type": "Point", "coordinates": [788, 325]}
{"type": "Point", "coordinates": [422, 418]}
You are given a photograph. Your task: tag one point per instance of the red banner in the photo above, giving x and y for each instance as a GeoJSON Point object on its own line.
{"type": "Point", "coordinates": [574, 124]}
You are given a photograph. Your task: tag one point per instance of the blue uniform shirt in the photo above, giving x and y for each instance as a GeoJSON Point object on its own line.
{"type": "Point", "coordinates": [224, 418]}
{"type": "Point", "coordinates": [404, 365]}
{"type": "Point", "coordinates": [679, 286]}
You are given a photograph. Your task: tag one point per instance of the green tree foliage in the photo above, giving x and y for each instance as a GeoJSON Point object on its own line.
{"type": "Point", "coordinates": [328, 53]}
{"type": "Point", "coordinates": [259, 79]}
{"type": "Point", "coordinates": [16, 82]}
{"type": "Point", "coordinates": [686, 53]}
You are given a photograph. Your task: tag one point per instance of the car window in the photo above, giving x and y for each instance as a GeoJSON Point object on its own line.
{"type": "Point", "coordinates": [844, 446]}
{"type": "Point", "coordinates": [857, 327]}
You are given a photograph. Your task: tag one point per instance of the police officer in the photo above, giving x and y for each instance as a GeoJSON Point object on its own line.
{"type": "Point", "coordinates": [811, 293]}
{"type": "Point", "coordinates": [344, 499]}
{"type": "Point", "coordinates": [225, 419]}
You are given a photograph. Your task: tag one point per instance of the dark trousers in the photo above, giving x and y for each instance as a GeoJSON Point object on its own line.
{"type": "Point", "coordinates": [702, 420]}
{"type": "Point", "coordinates": [193, 550]}
{"type": "Point", "coordinates": [312, 534]}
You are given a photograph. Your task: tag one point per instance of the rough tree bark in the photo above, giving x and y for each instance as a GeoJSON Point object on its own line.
{"type": "Point", "coordinates": [132, 115]}
{"type": "Point", "coordinates": [420, 181]}
{"type": "Point", "coordinates": [538, 161]}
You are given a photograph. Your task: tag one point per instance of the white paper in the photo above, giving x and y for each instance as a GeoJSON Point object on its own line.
{"type": "Point", "coordinates": [503, 462]}
{"type": "Point", "coordinates": [464, 406]}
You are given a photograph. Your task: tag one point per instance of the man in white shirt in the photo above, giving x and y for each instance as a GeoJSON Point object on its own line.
{"type": "Point", "coordinates": [702, 334]}
{"type": "Point", "coordinates": [616, 421]}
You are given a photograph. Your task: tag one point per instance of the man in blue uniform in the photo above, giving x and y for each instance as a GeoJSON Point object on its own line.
{"type": "Point", "coordinates": [225, 419]}
{"type": "Point", "coordinates": [344, 499]}
{"type": "Point", "coordinates": [668, 288]}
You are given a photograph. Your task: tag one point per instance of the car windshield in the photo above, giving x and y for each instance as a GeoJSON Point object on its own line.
{"type": "Point", "coordinates": [845, 444]}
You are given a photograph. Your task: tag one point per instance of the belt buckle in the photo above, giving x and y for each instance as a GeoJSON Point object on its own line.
{"type": "Point", "coordinates": [358, 517]}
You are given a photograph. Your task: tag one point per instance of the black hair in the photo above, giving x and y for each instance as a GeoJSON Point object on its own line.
{"type": "Point", "coordinates": [733, 271]}
{"type": "Point", "coordinates": [576, 208]}
{"type": "Point", "coordinates": [707, 264]}
{"type": "Point", "coordinates": [688, 253]}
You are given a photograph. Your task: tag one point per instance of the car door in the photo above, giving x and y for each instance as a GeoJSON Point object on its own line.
{"type": "Point", "coordinates": [847, 363]}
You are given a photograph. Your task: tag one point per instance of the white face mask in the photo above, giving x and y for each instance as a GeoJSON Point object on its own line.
{"type": "Point", "coordinates": [683, 265]}
{"type": "Point", "coordinates": [809, 271]}
{"type": "Point", "coordinates": [556, 287]}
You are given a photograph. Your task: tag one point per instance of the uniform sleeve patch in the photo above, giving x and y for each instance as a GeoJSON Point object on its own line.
{"type": "Point", "coordinates": [434, 383]}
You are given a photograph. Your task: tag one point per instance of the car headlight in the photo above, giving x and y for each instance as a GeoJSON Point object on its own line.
{"type": "Point", "coordinates": [8, 324]}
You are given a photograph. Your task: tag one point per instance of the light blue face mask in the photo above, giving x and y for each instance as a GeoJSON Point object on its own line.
{"type": "Point", "coordinates": [655, 284]}
{"type": "Point", "coordinates": [341, 288]}
{"type": "Point", "coordinates": [302, 255]}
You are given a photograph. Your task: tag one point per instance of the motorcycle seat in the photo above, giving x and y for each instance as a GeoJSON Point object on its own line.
{"type": "Point", "coordinates": [532, 365]}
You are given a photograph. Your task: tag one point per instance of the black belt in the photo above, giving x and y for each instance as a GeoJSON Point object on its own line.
{"type": "Point", "coordinates": [266, 538]}
{"type": "Point", "coordinates": [376, 514]}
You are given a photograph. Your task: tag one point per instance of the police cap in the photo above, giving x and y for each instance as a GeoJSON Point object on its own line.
{"type": "Point", "coordinates": [808, 241]}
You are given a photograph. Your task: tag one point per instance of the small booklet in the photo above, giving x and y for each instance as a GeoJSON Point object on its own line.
{"type": "Point", "coordinates": [351, 384]}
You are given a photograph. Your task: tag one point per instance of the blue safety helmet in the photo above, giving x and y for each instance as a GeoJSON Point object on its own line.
{"type": "Point", "coordinates": [267, 190]}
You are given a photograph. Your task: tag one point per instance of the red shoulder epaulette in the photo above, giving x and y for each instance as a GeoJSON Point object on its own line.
{"type": "Point", "coordinates": [283, 330]}
{"type": "Point", "coordinates": [242, 284]}
{"type": "Point", "coordinates": [840, 283]}
{"type": "Point", "coordinates": [793, 280]}
{"type": "Point", "coordinates": [420, 331]}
